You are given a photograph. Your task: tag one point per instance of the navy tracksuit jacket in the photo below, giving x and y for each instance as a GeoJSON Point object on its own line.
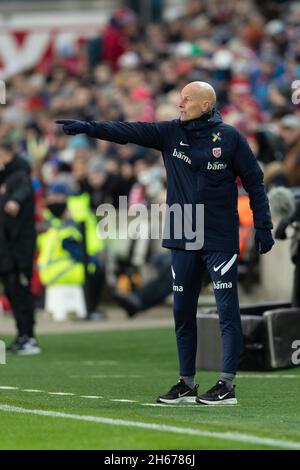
{"type": "Point", "coordinates": [203, 158]}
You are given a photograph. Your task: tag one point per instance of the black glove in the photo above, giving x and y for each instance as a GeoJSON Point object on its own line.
{"type": "Point", "coordinates": [72, 127]}
{"type": "Point", "coordinates": [280, 233]}
{"type": "Point", "coordinates": [263, 240]}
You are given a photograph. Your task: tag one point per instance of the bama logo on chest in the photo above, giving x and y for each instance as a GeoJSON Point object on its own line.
{"type": "Point", "coordinates": [181, 156]}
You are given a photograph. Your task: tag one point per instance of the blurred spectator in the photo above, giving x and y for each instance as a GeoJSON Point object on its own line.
{"type": "Point", "coordinates": [104, 181]}
{"type": "Point", "coordinates": [286, 170]}
{"type": "Point", "coordinates": [287, 207]}
{"type": "Point", "coordinates": [116, 36]}
{"type": "Point", "coordinates": [79, 206]}
{"type": "Point", "coordinates": [17, 246]}
{"type": "Point", "coordinates": [151, 293]}
{"type": "Point", "coordinates": [290, 132]}
{"type": "Point", "coordinates": [69, 249]}
{"type": "Point", "coordinates": [154, 9]}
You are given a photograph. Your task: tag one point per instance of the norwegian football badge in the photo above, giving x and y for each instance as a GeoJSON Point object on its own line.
{"type": "Point", "coordinates": [217, 152]}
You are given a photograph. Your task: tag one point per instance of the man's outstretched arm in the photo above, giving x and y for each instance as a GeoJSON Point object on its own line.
{"type": "Point", "coordinates": [146, 134]}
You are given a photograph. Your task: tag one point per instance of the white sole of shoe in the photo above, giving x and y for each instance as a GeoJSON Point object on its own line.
{"type": "Point", "coordinates": [229, 401]}
{"type": "Point", "coordinates": [32, 352]}
{"type": "Point", "coordinates": [178, 401]}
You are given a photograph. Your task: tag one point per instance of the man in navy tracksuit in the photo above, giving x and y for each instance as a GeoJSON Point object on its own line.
{"type": "Point", "coordinates": [203, 157]}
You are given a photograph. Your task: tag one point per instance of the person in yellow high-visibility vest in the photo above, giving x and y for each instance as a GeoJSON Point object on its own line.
{"type": "Point", "coordinates": [79, 206]}
{"type": "Point", "coordinates": [56, 262]}
{"type": "Point", "coordinates": [68, 249]}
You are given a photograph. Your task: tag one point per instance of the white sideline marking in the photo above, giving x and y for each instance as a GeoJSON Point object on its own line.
{"type": "Point", "coordinates": [60, 393]}
{"type": "Point", "coordinates": [268, 376]}
{"type": "Point", "coordinates": [230, 436]}
{"type": "Point", "coordinates": [89, 396]}
{"type": "Point", "coordinates": [187, 405]}
{"type": "Point", "coordinates": [100, 363]}
{"type": "Point", "coordinates": [123, 400]}
{"type": "Point", "coordinates": [32, 391]}
{"type": "Point", "coordinates": [107, 362]}
{"type": "Point", "coordinates": [168, 405]}
{"type": "Point", "coordinates": [105, 376]}
{"type": "Point", "coordinates": [4, 387]}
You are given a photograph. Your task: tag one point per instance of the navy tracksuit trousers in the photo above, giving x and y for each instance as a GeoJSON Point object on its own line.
{"type": "Point", "coordinates": [188, 268]}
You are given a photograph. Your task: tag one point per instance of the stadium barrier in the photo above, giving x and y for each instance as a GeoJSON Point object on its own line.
{"type": "Point", "coordinates": [269, 332]}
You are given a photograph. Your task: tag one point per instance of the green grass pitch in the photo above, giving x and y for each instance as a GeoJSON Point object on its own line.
{"type": "Point", "coordinates": [135, 365]}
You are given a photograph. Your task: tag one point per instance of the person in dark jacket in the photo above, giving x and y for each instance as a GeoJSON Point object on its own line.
{"type": "Point", "coordinates": [285, 204]}
{"type": "Point", "coordinates": [17, 246]}
{"type": "Point", "coordinates": [151, 293]}
{"type": "Point", "coordinates": [203, 157]}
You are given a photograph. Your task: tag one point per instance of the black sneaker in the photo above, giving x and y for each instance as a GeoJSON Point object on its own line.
{"type": "Point", "coordinates": [219, 394]}
{"type": "Point", "coordinates": [15, 345]}
{"type": "Point", "coordinates": [179, 393]}
{"type": "Point", "coordinates": [28, 347]}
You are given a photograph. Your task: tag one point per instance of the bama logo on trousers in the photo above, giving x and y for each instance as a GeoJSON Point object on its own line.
{"type": "Point", "coordinates": [224, 267]}
{"type": "Point", "coordinates": [222, 285]}
{"type": "Point", "coordinates": [176, 288]}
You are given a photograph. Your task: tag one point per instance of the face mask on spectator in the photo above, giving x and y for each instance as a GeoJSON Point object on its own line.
{"type": "Point", "coordinates": [57, 208]}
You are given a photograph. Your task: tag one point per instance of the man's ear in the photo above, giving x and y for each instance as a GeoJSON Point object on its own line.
{"type": "Point", "coordinates": [205, 106]}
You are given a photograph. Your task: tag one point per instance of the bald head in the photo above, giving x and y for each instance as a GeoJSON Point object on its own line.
{"type": "Point", "coordinates": [197, 98]}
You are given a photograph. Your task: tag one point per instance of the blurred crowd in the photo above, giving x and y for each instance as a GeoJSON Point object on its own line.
{"type": "Point", "coordinates": [249, 51]}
